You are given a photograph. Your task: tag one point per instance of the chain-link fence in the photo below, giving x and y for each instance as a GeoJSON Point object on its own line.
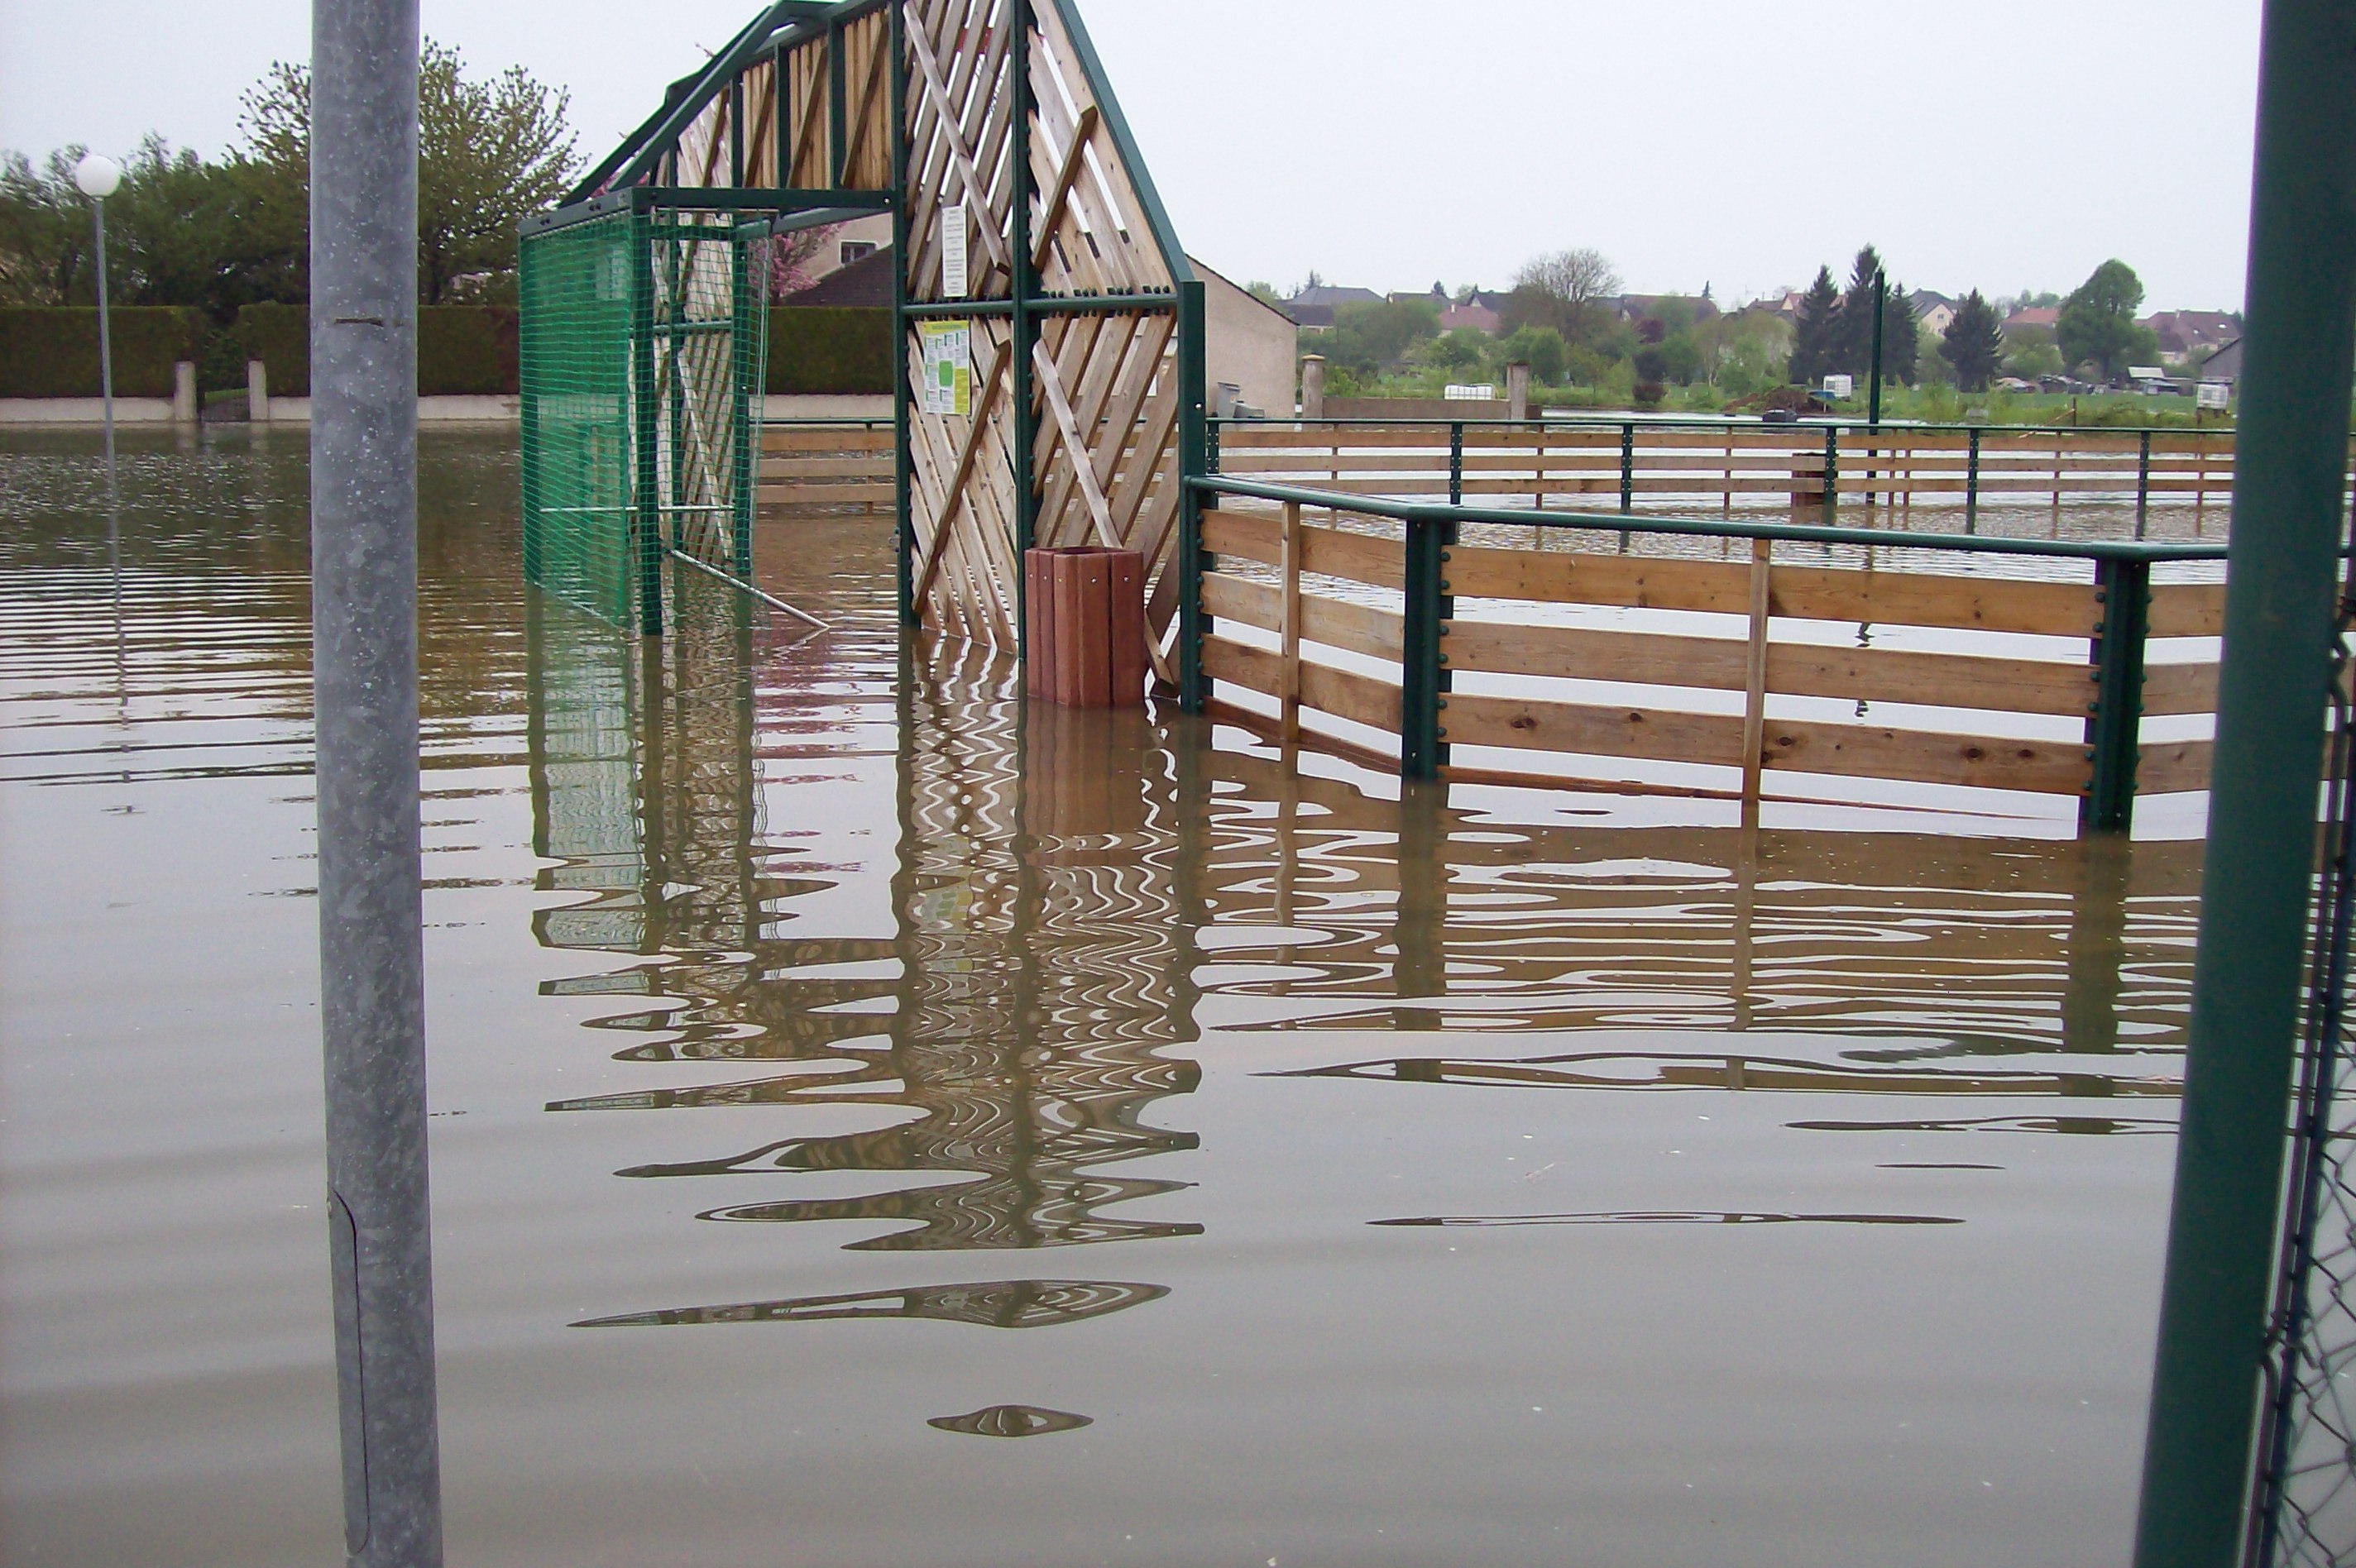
{"type": "Point", "coordinates": [2304, 1506]}
{"type": "Point", "coordinates": [644, 353]}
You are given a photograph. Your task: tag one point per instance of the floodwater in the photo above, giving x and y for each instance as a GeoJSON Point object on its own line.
{"type": "Point", "coordinates": [876, 1125]}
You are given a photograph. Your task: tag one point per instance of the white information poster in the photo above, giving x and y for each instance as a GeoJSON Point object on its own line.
{"type": "Point", "coordinates": [954, 281]}
{"type": "Point", "coordinates": [948, 367]}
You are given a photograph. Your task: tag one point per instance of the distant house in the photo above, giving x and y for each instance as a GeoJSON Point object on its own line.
{"type": "Point", "coordinates": [1315, 306]}
{"type": "Point", "coordinates": [1637, 307]}
{"type": "Point", "coordinates": [1474, 313]}
{"type": "Point", "coordinates": [1934, 313]}
{"type": "Point", "coordinates": [2188, 334]}
{"type": "Point", "coordinates": [2047, 316]}
{"type": "Point", "coordinates": [2225, 365]}
{"type": "Point", "coordinates": [867, 281]}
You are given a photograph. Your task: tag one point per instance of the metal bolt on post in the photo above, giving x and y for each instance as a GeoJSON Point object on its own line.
{"type": "Point", "coordinates": [364, 590]}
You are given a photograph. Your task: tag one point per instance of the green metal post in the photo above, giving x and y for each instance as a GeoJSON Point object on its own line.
{"type": "Point", "coordinates": [2256, 891]}
{"type": "Point", "coordinates": [647, 502]}
{"type": "Point", "coordinates": [736, 132]}
{"type": "Point", "coordinates": [906, 522]}
{"type": "Point", "coordinates": [2115, 719]}
{"type": "Point", "coordinates": [1456, 464]}
{"type": "Point", "coordinates": [838, 108]}
{"type": "Point", "coordinates": [1422, 664]}
{"type": "Point", "coordinates": [780, 123]}
{"type": "Point", "coordinates": [1194, 448]}
{"type": "Point", "coordinates": [2142, 484]}
{"type": "Point", "coordinates": [746, 458]}
{"type": "Point", "coordinates": [1628, 467]}
{"type": "Point", "coordinates": [1972, 489]}
{"type": "Point", "coordinates": [1832, 473]}
{"type": "Point", "coordinates": [1025, 326]}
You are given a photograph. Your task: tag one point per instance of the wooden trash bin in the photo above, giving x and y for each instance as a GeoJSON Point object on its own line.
{"type": "Point", "coordinates": [1084, 620]}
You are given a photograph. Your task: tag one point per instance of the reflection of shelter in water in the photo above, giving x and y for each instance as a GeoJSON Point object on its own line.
{"type": "Point", "coordinates": [1039, 951]}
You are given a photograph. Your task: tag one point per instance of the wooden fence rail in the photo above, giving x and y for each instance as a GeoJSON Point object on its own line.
{"type": "Point", "coordinates": [811, 470]}
{"type": "Point", "coordinates": [1805, 466]}
{"type": "Point", "coordinates": [1323, 600]}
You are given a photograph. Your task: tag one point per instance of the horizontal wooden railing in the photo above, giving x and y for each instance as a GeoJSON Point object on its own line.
{"type": "Point", "coordinates": [1808, 465]}
{"type": "Point", "coordinates": [827, 469]}
{"type": "Point", "coordinates": [1394, 586]}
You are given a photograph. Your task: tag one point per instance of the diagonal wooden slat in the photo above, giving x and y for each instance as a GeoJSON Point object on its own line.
{"type": "Point", "coordinates": [985, 401]}
{"type": "Point", "coordinates": [937, 90]}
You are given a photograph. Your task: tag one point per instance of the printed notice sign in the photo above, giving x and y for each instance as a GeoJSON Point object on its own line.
{"type": "Point", "coordinates": [949, 367]}
{"type": "Point", "coordinates": [953, 244]}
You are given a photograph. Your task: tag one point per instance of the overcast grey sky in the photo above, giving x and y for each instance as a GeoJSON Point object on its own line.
{"type": "Point", "coordinates": [2002, 144]}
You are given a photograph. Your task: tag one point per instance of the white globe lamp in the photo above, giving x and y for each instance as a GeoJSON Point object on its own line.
{"type": "Point", "coordinates": [98, 177]}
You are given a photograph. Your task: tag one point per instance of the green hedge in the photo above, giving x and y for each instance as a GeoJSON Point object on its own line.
{"type": "Point", "coordinates": [829, 349]}
{"type": "Point", "coordinates": [49, 351]}
{"type": "Point", "coordinates": [280, 336]}
{"type": "Point", "coordinates": [462, 351]}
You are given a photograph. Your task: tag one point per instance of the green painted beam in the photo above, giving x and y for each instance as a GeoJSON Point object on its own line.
{"type": "Point", "coordinates": [2256, 894]}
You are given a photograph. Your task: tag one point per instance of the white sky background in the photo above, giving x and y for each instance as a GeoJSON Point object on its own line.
{"type": "Point", "coordinates": [1998, 143]}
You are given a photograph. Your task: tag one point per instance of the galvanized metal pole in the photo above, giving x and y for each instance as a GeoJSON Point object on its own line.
{"type": "Point", "coordinates": [364, 652]}
{"type": "Point", "coordinates": [105, 345]}
{"type": "Point", "coordinates": [2256, 894]}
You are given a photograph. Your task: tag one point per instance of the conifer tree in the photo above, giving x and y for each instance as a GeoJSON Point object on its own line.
{"type": "Point", "coordinates": [1812, 336]}
{"type": "Point", "coordinates": [1974, 343]}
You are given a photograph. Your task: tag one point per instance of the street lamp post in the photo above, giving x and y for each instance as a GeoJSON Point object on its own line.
{"type": "Point", "coordinates": [99, 178]}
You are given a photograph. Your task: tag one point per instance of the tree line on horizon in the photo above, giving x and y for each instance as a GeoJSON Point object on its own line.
{"type": "Point", "coordinates": [1566, 318]}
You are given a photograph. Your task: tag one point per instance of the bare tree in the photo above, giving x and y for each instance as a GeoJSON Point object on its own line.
{"type": "Point", "coordinates": [1574, 277]}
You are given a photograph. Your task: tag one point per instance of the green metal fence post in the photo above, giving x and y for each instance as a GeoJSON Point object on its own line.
{"type": "Point", "coordinates": [1194, 448]}
{"type": "Point", "coordinates": [1025, 327]}
{"type": "Point", "coordinates": [1972, 487]}
{"type": "Point", "coordinates": [838, 106]}
{"type": "Point", "coordinates": [1628, 467]}
{"type": "Point", "coordinates": [2115, 719]}
{"type": "Point", "coordinates": [2281, 586]}
{"type": "Point", "coordinates": [2142, 484]}
{"type": "Point", "coordinates": [1422, 663]}
{"type": "Point", "coordinates": [1832, 473]}
{"type": "Point", "coordinates": [904, 517]}
{"type": "Point", "coordinates": [646, 509]}
{"type": "Point", "coordinates": [1456, 464]}
{"type": "Point", "coordinates": [746, 458]}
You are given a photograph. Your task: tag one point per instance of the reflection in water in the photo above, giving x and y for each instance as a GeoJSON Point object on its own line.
{"type": "Point", "coordinates": [2081, 1126]}
{"type": "Point", "coordinates": [1647, 1069]}
{"type": "Point", "coordinates": [996, 1304]}
{"type": "Point", "coordinates": [1017, 1016]}
{"type": "Point", "coordinates": [1673, 1217]}
{"type": "Point", "coordinates": [1011, 1421]}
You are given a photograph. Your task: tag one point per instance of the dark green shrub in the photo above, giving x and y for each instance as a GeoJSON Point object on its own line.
{"type": "Point", "coordinates": [280, 336]}
{"type": "Point", "coordinates": [51, 351]}
{"type": "Point", "coordinates": [466, 351]}
{"type": "Point", "coordinates": [836, 349]}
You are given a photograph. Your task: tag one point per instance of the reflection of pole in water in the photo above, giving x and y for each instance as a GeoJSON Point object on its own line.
{"type": "Point", "coordinates": [371, 958]}
{"type": "Point", "coordinates": [1421, 931]}
{"type": "Point", "coordinates": [2098, 932]}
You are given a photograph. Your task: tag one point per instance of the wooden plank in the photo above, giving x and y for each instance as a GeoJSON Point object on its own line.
{"type": "Point", "coordinates": [1360, 699]}
{"type": "Point", "coordinates": [1251, 535]}
{"type": "Point", "coordinates": [2172, 767]}
{"type": "Point", "coordinates": [2180, 688]}
{"type": "Point", "coordinates": [877, 467]}
{"type": "Point", "coordinates": [1930, 680]}
{"type": "Point", "coordinates": [2187, 610]}
{"type": "Point", "coordinates": [1360, 558]}
{"type": "Point", "coordinates": [776, 441]}
{"type": "Point", "coordinates": [1227, 597]}
{"type": "Point", "coordinates": [1567, 576]}
{"type": "Point", "coordinates": [1580, 653]}
{"type": "Point", "coordinates": [825, 495]}
{"type": "Point", "coordinates": [1859, 751]}
{"type": "Point", "coordinates": [1359, 628]}
{"type": "Point", "coordinates": [1928, 599]}
{"type": "Point", "coordinates": [1589, 729]}
{"type": "Point", "coordinates": [1289, 627]}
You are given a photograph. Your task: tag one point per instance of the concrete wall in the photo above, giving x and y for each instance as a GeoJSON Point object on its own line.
{"type": "Point", "coordinates": [1255, 345]}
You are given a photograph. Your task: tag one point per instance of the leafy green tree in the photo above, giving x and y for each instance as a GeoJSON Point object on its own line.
{"type": "Point", "coordinates": [1466, 348]}
{"type": "Point", "coordinates": [2098, 325]}
{"type": "Point", "coordinates": [1563, 290]}
{"type": "Point", "coordinates": [1542, 349]}
{"type": "Point", "coordinates": [1974, 343]}
{"type": "Point", "coordinates": [1370, 336]}
{"type": "Point", "coordinates": [1813, 335]}
{"type": "Point", "coordinates": [489, 153]}
{"type": "Point", "coordinates": [2028, 353]}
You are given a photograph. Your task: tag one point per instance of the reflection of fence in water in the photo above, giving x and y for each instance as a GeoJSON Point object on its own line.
{"type": "Point", "coordinates": [1038, 945]}
{"type": "Point", "coordinates": [1416, 917]}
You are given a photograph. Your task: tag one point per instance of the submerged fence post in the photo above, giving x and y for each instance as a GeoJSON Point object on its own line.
{"type": "Point", "coordinates": [1423, 675]}
{"type": "Point", "coordinates": [371, 958]}
{"type": "Point", "coordinates": [2142, 484]}
{"type": "Point", "coordinates": [2115, 720]}
{"type": "Point", "coordinates": [2256, 891]}
{"type": "Point", "coordinates": [1972, 486]}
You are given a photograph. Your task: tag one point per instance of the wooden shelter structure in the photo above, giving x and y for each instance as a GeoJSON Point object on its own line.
{"type": "Point", "coordinates": [1051, 331]}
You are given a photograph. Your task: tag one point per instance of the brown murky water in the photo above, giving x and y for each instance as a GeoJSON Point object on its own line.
{"type": "Point", "coordinates": [874, 1125]}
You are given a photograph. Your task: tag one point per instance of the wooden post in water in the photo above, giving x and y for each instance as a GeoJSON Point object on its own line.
{"type": "Point", "coordinates": [1289, 627]}
{"type": "Point", "coordinates": [1754, 699]}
